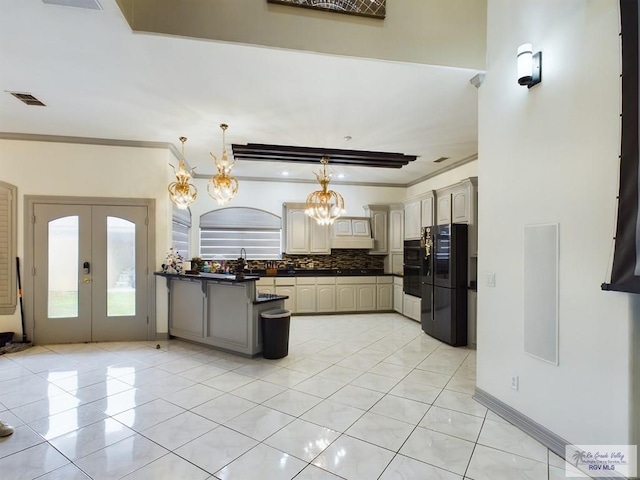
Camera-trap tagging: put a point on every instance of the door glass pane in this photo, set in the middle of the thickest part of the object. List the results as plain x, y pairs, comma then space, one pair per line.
63, 268
121, 267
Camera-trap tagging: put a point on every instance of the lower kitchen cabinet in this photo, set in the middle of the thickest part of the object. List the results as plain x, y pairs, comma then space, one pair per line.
411, 307
398, 298
306, 295
287, 286
346, 298
365, 298
398, 294
384, 293
326, 296
384, 297
266, 285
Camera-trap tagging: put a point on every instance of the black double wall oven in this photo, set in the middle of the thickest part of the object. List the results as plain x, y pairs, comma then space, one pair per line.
411, 282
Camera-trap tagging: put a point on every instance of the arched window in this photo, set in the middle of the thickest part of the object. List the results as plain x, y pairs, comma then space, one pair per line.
225, 231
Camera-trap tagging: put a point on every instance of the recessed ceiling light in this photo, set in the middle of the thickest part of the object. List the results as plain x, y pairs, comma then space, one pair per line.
347, 138
341, 175
285, 173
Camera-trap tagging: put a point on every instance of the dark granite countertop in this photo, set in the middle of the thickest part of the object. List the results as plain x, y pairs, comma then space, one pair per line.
269, 297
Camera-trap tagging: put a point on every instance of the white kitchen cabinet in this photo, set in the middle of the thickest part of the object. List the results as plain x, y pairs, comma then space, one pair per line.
287, 286
411, 307
352, 227
384, 297
319, 240
365, 298
398, 297
346, 298
342, 227
326, 297
394, 263
412, 220
443, 210
303, 235
305, 295
266, 285
460, 205
427, 207
297, 231
396, 228
379, 216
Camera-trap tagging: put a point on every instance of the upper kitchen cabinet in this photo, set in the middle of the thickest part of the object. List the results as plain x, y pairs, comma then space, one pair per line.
443, 201
427, 202
379, 217
302, 234
396, 228
352, 232
459, 204
412, 219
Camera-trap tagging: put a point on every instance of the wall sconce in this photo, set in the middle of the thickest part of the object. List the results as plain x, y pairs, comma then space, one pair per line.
529, 66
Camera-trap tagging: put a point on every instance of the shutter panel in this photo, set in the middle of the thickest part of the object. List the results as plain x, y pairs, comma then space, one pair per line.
8, 239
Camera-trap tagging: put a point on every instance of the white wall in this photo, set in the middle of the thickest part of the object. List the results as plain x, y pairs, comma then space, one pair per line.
549, 155
43, 168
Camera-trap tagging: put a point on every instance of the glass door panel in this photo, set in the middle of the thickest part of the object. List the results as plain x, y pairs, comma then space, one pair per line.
62, 299
121, 267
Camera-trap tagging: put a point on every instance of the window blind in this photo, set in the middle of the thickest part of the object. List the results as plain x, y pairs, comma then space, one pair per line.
225, 231
180, 227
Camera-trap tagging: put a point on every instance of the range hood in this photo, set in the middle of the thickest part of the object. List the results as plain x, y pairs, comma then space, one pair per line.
352, 232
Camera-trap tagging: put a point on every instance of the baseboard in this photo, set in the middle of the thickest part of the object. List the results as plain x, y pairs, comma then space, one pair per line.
553, 442
546, 437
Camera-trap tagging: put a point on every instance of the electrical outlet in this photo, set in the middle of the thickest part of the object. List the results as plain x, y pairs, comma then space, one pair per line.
490, 279
515, 382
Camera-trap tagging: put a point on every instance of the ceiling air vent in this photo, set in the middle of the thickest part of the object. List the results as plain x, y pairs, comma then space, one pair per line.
441, 159
28, 99
90, 4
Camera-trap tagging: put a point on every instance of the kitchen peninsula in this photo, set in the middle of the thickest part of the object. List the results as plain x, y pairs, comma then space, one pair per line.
218, 310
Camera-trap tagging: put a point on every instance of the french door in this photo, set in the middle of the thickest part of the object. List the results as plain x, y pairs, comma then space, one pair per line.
89, 273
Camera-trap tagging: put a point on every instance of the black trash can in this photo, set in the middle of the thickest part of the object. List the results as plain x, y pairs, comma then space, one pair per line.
275, 333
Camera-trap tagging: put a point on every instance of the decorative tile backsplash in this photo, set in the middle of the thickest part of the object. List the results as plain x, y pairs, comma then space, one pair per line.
339, 259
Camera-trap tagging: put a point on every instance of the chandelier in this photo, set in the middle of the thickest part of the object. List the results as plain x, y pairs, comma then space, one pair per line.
324, 205
181, 192
222, 186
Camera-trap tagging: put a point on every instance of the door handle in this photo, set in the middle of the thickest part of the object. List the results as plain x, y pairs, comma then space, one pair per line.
86, 280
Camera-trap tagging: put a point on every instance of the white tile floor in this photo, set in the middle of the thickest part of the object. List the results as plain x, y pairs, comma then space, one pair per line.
358, 397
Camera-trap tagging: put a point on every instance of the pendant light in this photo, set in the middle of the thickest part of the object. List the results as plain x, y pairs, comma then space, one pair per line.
324, 205
222, 187
181, 192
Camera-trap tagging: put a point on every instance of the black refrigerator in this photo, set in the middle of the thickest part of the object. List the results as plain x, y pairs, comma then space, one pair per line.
444, 283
